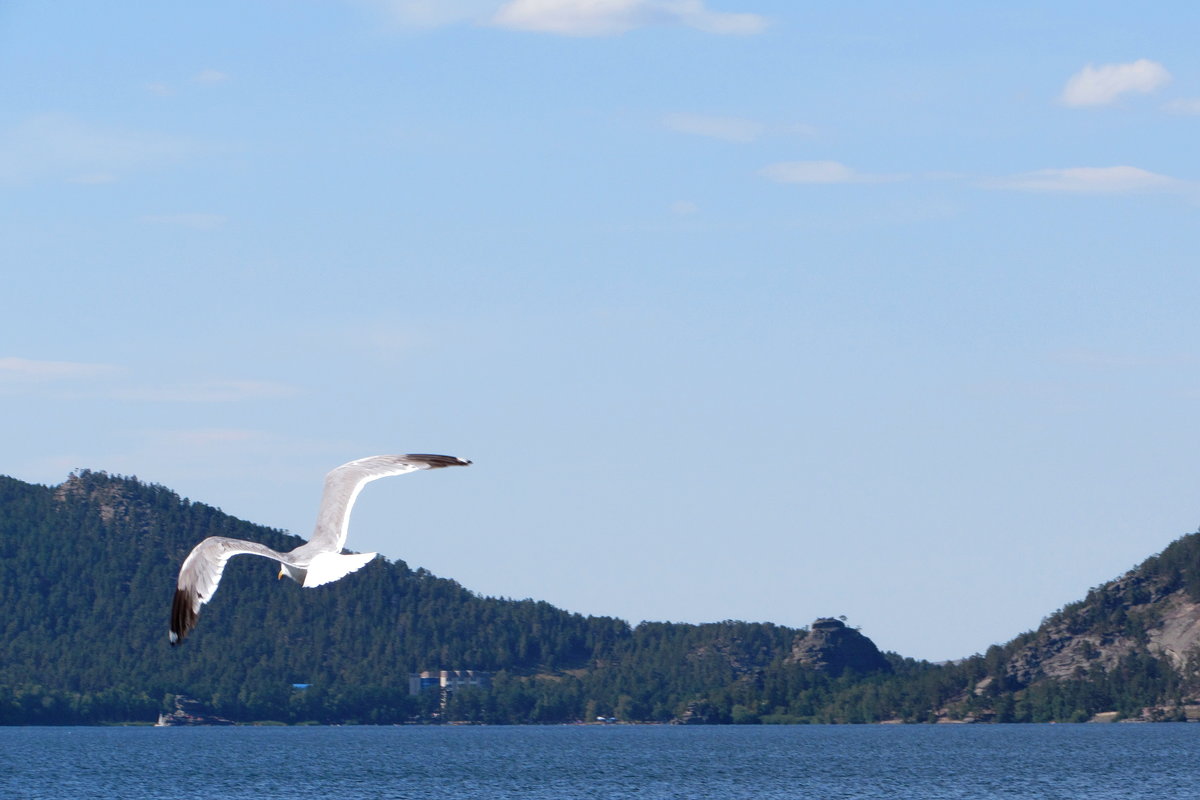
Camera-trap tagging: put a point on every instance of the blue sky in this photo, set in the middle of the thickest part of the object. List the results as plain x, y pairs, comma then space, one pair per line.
744, 310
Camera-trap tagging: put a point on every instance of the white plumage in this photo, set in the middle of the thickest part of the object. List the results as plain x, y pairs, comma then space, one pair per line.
316, 562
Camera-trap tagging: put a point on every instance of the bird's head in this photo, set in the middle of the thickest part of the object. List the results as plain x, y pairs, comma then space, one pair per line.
288, 571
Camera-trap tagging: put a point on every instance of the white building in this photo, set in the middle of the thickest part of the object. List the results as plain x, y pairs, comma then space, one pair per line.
447, 680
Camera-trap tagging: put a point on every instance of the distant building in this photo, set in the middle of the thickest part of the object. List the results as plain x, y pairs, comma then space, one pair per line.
447, 680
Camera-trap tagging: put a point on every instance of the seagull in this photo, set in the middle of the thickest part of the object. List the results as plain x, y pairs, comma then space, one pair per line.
316, 562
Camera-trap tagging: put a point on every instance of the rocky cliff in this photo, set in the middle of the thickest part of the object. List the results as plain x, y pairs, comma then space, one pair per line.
832, 648
1154, 610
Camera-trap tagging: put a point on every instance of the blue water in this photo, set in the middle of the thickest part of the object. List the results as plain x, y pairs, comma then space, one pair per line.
1099, 762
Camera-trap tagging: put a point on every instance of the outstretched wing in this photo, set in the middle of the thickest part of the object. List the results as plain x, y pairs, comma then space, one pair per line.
343, 484
200, 574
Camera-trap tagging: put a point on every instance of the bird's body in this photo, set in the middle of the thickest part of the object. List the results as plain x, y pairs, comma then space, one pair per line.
318, 561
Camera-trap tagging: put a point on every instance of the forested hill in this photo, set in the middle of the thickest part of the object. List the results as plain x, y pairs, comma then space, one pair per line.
87, 571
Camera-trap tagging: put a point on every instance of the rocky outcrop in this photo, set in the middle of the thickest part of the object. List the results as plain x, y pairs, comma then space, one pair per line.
831, 647
696, 713
95, 488
1177, 636
189, 712
1133, 614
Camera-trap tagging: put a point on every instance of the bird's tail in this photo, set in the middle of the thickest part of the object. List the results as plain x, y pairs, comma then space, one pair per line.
328, 567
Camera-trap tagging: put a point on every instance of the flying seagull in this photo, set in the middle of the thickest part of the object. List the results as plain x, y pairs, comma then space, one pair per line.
314, 563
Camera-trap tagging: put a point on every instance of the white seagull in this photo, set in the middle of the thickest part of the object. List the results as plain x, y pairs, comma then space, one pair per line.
318, 561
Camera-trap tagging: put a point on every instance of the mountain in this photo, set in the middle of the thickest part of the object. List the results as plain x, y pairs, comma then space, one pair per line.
1132, 645
87, 570
1154, 610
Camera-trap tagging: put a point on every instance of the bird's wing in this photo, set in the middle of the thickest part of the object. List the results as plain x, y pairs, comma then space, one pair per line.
343, 484
200, 574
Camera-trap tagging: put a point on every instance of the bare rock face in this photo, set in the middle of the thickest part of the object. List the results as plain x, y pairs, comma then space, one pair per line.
108, 496
832, 648
1177, 636
1139, 617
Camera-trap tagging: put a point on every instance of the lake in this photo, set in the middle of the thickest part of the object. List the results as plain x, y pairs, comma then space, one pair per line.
905, 762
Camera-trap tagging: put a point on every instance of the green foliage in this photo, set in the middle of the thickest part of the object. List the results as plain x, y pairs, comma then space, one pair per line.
87, 571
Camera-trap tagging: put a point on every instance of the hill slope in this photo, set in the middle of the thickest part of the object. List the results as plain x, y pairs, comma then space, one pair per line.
87, 570
1132, 645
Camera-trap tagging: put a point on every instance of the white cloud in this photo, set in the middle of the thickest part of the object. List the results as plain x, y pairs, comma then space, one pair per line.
821, 172
567, 17
1099, 86
60, 147
612, 17
15, 369
1184, 105
195, 221
730, 129
1088, 180
434, 13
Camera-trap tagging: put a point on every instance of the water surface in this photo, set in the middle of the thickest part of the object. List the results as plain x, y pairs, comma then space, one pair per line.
919, 762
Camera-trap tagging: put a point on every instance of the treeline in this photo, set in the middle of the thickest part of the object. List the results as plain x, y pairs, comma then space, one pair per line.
87, 570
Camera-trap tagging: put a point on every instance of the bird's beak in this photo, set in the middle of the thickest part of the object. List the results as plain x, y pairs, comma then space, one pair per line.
280, 575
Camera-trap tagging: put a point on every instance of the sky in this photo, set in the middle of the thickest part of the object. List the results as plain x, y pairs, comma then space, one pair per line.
743, 310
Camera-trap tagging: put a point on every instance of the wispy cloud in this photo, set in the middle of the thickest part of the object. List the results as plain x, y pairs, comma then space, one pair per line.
210, 77
1183, 105
195, 221
94, 178
1108, 360
384, 341
205, 77
208, 391
730, 129
58, 146
108, 380
203, 437
434, 13
1102, 85
613, 17
25, 370
569, 17
822, 172
1088, 180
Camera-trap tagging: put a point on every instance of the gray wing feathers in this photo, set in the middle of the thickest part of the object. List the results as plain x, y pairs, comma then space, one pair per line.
201, 570
200, 574
343, 484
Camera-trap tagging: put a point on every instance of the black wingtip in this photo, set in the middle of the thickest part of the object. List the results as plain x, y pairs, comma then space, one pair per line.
183, 617
437, 462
